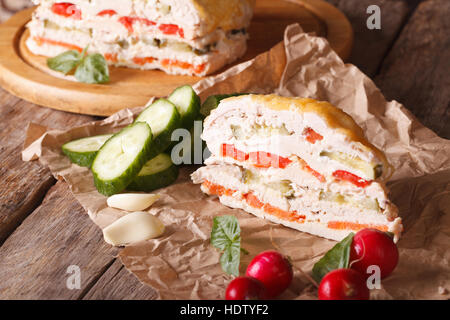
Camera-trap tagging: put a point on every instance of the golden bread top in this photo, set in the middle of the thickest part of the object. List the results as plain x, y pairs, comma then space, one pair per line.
334, 117
225, 14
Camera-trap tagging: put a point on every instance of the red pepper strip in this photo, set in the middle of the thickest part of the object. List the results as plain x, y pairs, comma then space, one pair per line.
259, 159
228, 150
350, 177
312, 136
171, 29
266, 160
107, 13
66, 9
128, 22
316, 174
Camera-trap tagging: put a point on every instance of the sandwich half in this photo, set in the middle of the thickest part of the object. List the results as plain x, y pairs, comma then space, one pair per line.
192, 37
299, 162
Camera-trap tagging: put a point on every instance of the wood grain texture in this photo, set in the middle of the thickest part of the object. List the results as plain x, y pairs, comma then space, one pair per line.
130, 87
371, 46
24, 184
35, 258
416, 71
117, 283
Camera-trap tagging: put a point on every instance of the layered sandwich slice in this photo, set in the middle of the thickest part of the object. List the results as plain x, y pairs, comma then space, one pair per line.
298, 162
192, 37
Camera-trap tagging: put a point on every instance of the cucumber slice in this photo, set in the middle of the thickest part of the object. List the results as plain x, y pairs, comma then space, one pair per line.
282, 186
156, 173
83, 151
372, 171
187, 103
163, 118
121, 158
212, 102
364, 203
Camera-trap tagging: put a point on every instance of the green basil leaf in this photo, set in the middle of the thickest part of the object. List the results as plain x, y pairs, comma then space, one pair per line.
225, 232
231, 259
83, 53
93, 69
226, 236
338, 257
65, 62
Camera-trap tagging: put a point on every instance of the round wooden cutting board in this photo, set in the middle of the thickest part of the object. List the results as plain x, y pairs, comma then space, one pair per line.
27, 76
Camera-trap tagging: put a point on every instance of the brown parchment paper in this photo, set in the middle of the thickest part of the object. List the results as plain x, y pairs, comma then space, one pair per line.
183, 265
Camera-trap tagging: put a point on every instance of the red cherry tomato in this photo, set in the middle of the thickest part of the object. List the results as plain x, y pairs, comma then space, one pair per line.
373, 247
273, 270
343, 284
245, 288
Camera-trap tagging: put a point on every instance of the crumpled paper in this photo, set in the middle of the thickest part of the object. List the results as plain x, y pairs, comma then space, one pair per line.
182, 264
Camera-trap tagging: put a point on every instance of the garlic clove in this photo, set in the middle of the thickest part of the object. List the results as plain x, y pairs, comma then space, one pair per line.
132, 228
132, 201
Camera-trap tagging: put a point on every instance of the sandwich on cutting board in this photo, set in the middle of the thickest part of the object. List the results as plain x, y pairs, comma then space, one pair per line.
190, 37
299, 162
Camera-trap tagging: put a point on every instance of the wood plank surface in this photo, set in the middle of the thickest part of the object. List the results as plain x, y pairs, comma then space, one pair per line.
371, 46
24, 184
416, 71
34, 260
117, 283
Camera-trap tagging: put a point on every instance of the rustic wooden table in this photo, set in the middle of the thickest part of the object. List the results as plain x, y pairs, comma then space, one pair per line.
43, 229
